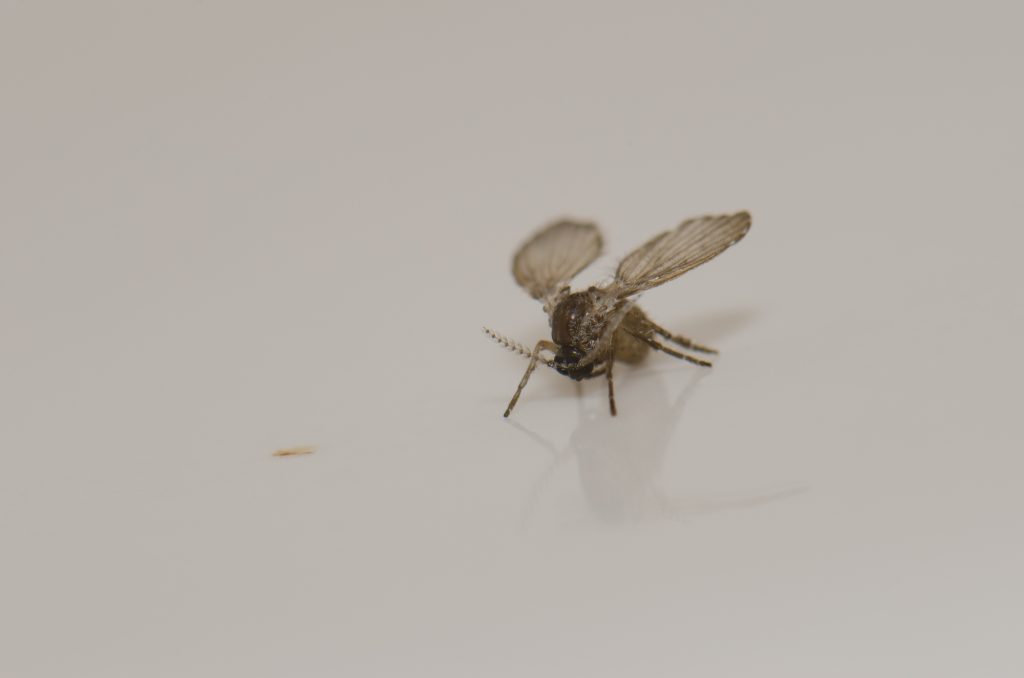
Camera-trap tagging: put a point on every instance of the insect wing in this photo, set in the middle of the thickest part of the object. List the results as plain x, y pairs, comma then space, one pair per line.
673, 253
554, 255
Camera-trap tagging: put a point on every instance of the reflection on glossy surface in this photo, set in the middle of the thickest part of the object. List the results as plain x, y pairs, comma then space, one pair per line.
620, 460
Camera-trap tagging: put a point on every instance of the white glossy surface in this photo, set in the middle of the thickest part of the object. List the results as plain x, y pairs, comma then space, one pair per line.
229, 229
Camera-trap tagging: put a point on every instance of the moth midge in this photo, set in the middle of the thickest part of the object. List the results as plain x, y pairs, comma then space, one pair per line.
591, 329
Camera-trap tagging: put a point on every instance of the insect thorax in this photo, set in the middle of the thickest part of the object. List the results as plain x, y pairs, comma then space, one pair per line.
577, 323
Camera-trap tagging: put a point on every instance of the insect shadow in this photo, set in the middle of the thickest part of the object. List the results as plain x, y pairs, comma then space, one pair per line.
620, 463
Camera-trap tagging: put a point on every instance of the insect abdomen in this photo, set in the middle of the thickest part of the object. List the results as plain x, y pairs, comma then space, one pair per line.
629, 349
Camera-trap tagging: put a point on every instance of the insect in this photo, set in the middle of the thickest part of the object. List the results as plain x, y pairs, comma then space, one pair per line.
593, 328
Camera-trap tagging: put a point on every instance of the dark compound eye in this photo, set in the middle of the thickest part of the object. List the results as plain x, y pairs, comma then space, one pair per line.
567, 358
568, 355
573, 369
583, 372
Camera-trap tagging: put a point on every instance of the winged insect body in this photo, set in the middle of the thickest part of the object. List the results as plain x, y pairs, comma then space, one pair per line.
591, 329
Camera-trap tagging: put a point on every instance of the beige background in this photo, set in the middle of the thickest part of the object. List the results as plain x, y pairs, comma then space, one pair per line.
231, 227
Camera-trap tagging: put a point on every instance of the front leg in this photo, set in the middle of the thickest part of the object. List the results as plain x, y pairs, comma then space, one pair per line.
534, 357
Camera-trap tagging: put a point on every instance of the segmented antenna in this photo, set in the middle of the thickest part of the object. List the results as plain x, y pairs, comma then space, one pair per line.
514, 346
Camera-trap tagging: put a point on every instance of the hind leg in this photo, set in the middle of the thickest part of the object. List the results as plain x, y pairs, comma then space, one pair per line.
677, 339
676, 354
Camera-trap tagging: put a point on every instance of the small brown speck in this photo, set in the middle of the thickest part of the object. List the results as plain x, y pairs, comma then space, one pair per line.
295, 451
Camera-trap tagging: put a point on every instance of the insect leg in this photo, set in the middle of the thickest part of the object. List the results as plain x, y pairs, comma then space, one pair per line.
534, 357
682, 341
611, 385
665, 349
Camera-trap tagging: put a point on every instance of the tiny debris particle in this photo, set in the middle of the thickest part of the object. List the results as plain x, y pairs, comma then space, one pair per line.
295, 451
